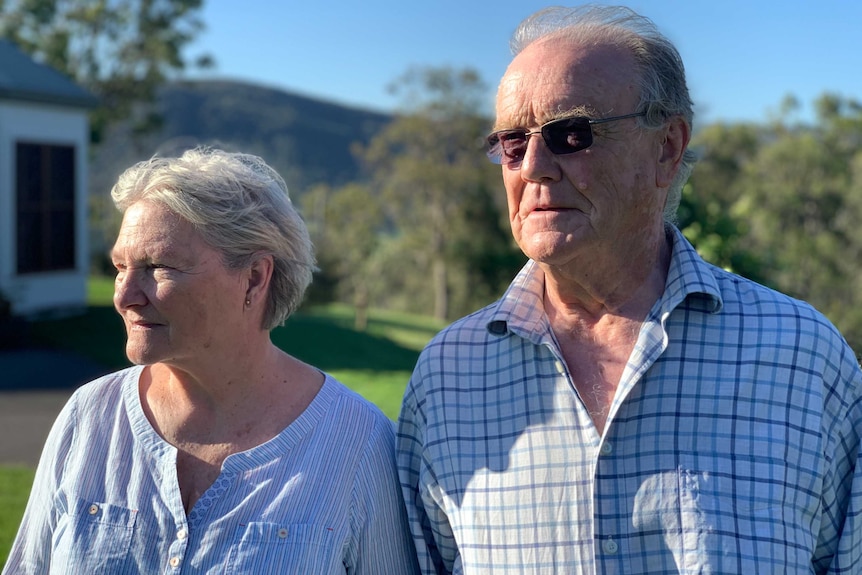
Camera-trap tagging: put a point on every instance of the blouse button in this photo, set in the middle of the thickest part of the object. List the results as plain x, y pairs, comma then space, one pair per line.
94, 509
175, 561
182, 534
282, 533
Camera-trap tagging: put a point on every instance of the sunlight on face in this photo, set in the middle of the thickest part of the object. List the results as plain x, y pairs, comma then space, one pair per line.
177, 299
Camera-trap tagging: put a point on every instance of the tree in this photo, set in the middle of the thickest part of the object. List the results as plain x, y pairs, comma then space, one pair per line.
780, 203
797, 209
797, 193
709, 211
438, 186
345, 224
120, 50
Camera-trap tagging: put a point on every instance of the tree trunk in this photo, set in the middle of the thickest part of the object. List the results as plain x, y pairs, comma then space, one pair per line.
441, 289
360, 307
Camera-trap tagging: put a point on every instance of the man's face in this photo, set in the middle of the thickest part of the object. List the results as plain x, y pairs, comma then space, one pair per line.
594, 201
178, 301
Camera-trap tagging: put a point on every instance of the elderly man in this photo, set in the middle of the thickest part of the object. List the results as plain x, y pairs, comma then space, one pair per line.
625, 407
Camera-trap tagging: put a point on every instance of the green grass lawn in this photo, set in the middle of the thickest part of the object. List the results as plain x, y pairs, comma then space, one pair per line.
375, 363
14, 488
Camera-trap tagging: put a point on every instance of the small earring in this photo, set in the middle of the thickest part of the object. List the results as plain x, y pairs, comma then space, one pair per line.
248, 302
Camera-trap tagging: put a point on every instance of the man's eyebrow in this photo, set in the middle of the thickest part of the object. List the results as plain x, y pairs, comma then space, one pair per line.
579, 110
558, 114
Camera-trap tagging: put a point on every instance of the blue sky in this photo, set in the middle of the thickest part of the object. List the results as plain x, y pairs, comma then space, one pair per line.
742, 56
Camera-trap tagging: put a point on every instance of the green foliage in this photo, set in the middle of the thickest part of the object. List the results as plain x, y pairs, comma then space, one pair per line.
121, 50
441, 195
346, 224
708, 214
781, 204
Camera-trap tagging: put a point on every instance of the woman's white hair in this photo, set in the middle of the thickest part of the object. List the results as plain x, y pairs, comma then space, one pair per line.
240, 206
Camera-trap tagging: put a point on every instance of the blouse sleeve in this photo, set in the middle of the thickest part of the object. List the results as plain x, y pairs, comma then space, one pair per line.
31, 550
383, 542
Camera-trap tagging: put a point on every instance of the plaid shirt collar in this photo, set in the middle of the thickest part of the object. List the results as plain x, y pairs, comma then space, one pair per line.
520, 310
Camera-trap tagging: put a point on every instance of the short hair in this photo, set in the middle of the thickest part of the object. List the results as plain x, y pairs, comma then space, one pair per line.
240, 206
663, 88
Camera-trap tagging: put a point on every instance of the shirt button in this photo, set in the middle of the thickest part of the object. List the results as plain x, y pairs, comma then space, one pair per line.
610, 546
561, 369
282, 533
607, 448
175, 561
94, 509
182, 534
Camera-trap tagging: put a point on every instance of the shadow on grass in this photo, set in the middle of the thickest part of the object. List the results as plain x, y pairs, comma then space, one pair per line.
331, 346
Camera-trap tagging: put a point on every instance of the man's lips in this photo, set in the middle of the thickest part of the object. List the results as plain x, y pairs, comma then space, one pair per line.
547, 210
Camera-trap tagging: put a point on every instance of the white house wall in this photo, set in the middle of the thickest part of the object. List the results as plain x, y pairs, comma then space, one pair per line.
45, 124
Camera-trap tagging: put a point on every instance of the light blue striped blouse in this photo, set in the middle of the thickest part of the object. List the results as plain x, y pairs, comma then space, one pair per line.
321, 497
732, 445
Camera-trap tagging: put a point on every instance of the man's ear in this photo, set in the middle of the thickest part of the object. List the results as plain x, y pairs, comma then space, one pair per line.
673, 145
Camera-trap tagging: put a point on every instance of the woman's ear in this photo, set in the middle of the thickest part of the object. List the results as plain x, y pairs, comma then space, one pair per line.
259, 274
673, 145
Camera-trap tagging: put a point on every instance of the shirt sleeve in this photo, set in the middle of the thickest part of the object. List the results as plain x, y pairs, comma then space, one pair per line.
31, 550
429, 524
383, 543
839, 543
843, 519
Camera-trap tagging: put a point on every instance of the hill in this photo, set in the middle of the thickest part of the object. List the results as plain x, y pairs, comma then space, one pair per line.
307, 140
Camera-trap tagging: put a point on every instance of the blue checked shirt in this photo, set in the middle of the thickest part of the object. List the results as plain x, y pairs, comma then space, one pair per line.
732, 444
320, 498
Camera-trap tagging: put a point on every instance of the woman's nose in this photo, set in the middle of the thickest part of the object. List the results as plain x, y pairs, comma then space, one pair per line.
128, 291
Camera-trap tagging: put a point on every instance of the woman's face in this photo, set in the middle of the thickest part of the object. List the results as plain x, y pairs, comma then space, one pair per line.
179, 303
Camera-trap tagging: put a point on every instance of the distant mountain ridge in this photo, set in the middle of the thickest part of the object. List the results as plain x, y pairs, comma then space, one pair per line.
307, 140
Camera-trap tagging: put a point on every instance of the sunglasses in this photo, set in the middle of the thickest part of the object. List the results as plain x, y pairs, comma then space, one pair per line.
563, 136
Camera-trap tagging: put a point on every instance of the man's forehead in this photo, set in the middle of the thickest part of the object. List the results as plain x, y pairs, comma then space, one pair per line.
555, 78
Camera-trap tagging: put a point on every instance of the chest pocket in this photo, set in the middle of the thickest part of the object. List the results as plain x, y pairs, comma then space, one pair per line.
93, 537
730, 513
270, 548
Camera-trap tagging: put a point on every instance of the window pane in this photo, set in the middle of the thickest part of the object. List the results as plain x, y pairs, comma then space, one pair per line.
61, 250
61, 174
45, 177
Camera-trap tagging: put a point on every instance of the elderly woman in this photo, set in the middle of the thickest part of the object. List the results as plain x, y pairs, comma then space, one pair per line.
217, 451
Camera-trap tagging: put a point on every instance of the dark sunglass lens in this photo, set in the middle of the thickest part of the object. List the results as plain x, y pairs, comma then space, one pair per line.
568, 135
494, 150
512, 145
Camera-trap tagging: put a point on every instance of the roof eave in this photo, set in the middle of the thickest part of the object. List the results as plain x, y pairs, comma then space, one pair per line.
85, 101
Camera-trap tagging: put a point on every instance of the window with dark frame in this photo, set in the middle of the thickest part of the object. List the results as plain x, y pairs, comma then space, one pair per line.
45, 176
